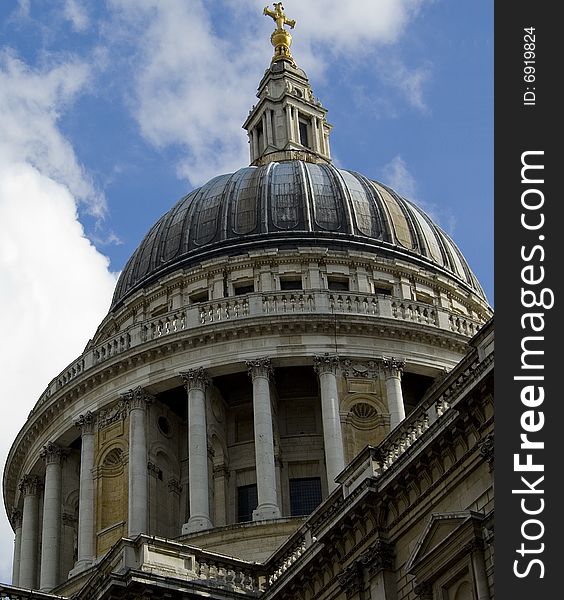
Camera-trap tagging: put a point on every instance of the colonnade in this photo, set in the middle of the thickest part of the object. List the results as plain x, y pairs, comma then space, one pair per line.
26, 521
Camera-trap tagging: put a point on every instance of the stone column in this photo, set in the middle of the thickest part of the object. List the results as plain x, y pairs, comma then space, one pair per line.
196, 381
289, 124
269, 133
393, 369
30, 487
16, 521
53, 456
259, 371
86, 424
315, 134
138, 509
326, 367
255, 144
476, 550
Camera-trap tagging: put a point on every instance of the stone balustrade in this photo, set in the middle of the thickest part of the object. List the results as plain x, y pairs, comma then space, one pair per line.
288, 559
320, 302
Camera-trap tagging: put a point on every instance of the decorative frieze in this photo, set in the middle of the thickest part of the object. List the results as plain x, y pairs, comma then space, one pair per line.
359, 369
30, 485
259, 367
326, 363
109, 416
195, 379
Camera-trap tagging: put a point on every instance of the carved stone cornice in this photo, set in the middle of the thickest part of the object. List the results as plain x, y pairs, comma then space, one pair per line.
86, 423
424, 591
259, 367
326, 363
351, 579
16, 518
195, 379
379, 557
392, 367
30, 485
487, 449
137, 398
53, 454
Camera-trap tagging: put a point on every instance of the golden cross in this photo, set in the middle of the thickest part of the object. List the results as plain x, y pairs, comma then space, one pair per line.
279, 17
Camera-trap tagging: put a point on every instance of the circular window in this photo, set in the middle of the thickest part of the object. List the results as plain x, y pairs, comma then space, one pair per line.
164, 426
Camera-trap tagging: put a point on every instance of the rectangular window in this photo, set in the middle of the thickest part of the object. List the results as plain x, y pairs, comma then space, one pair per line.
244, 288
247, 501
305, 496
382, 290
304, 139
290, 283
338, 284
199, 297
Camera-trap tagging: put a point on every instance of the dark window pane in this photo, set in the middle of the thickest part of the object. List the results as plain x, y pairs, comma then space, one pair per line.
247, 501
303, 134
338, 285
290, 284
247, 288
305, 495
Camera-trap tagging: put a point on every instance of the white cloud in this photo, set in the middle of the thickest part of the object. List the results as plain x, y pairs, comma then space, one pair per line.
409, 82
193, 88
55, 286
76, 13
397, 176
30, 103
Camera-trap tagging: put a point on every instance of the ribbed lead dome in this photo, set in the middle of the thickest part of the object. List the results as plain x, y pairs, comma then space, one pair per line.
291, 203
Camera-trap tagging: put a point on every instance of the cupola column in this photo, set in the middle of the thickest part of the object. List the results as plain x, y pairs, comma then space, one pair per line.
137, 401
326, 367
16, 521
53, 456
267, 492
393, 369
85, 551
196, 382
30, 487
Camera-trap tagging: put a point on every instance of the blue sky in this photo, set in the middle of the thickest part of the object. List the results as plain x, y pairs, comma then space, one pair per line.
112, 110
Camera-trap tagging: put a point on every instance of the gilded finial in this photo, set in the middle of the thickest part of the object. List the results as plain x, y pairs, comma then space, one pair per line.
281, 38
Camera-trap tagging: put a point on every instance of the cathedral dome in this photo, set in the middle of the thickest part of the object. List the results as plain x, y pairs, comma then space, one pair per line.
291, 204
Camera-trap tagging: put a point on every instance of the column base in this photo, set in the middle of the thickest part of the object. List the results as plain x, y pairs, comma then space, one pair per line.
197, 524
266, 512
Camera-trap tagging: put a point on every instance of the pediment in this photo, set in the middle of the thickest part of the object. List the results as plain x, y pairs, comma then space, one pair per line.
444, 538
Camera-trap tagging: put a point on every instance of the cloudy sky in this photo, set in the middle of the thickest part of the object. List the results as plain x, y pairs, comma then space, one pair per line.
110, 110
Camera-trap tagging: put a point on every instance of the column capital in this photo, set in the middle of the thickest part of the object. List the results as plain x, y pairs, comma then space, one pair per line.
86, 423
393, 367
326, 363
259, 367
136, 398
53, 454
30, 485
16, 518
195, 379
